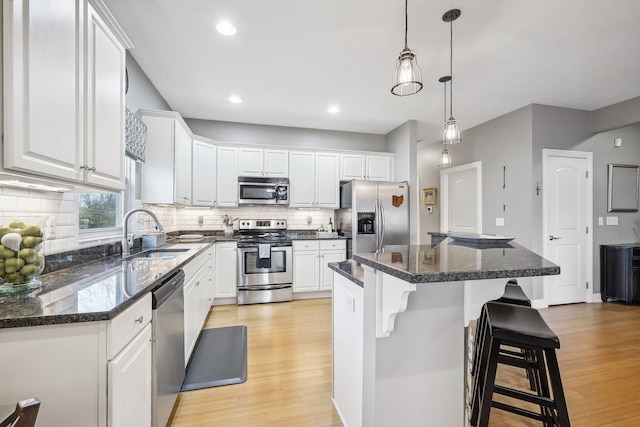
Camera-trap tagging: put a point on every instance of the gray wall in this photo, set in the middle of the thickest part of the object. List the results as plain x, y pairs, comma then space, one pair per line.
286, 136
402, 142
142, 93
616, 116
516, 140
628, 222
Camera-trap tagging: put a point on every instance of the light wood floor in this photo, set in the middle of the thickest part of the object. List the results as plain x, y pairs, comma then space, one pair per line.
289, 361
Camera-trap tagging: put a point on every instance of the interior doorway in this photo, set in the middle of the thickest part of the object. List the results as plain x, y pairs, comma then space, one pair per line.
461, 188
567, 218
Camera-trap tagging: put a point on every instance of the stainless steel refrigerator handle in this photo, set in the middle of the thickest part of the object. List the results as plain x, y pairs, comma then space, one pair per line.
381, 223
377, 223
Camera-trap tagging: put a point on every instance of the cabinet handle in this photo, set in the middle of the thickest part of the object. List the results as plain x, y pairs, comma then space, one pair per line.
139, 320
198, 283
554, 238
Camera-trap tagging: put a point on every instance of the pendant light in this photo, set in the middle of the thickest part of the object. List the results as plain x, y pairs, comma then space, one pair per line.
407, 79
451, 132
445, 159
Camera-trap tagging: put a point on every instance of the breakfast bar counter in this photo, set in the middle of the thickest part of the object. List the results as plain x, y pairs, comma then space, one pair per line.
399, 334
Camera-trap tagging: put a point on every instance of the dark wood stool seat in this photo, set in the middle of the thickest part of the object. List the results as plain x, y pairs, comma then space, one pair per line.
523, 328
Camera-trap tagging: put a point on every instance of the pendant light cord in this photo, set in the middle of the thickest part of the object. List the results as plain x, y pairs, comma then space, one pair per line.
451, 70
445, 101
406, 22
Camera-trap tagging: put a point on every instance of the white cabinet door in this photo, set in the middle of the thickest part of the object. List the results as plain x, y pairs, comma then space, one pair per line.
379, 168
276, 163
43, 87
225, 272
327, 181
305, 271
105, 105
190, 318
129, 383
302, 179
182, 166
250, 161
326, 274
352, 166
227, 177
204, 174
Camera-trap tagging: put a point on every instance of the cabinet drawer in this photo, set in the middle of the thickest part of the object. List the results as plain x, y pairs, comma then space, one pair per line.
306, 245
122, 328
192, 267
636, 252
333, 245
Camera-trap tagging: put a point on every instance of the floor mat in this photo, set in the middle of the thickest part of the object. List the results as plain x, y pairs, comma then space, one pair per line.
220, 358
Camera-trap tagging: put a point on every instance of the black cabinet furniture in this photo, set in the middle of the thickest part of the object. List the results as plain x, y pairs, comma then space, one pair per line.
620, 272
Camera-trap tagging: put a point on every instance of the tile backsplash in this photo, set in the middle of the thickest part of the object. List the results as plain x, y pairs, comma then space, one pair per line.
61, 210
175, 219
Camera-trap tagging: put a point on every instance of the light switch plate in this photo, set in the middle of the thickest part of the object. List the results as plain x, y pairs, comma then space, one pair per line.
499, 222
600, 220
612, 220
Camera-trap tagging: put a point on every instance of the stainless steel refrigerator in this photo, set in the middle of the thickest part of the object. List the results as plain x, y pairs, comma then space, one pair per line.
373, 214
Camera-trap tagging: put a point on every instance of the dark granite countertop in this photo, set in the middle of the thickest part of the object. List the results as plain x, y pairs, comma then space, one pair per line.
349, 269
95, 290
450, 261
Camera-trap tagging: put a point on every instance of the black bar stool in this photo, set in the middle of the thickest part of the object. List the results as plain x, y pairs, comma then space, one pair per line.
523, 328
513, 294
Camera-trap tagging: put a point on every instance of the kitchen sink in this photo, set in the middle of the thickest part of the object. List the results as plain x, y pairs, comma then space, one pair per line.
161, 253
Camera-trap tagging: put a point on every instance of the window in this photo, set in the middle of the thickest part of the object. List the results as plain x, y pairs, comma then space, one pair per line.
98, 210
100, 214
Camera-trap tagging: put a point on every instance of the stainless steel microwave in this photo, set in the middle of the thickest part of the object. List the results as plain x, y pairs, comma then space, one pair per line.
263, 191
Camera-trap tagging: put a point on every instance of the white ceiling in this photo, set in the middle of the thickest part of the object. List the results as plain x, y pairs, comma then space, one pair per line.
290, 60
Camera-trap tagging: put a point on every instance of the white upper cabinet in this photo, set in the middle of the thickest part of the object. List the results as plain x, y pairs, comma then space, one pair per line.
227, 176
366, 167
263, 162
53, 127
314, 179
204, 173
379, 168
166, 173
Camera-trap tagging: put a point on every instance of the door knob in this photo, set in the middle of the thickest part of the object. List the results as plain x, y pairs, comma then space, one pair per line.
554, 238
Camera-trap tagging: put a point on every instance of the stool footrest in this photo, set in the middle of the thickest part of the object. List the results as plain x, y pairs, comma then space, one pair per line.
517, 411
527, 397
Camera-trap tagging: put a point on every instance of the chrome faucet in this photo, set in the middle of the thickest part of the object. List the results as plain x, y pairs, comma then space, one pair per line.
125, 228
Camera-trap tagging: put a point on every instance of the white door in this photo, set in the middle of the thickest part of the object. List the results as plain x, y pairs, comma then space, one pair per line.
105, 103
227, 194
204, 174
327, 179
461, 188
567, 223
129, 389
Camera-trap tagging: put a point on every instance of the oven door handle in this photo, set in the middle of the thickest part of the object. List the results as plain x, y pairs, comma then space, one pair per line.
273, 249
263, 287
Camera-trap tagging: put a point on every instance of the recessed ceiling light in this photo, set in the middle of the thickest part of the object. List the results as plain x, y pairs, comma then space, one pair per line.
235, 99
226, 28
333, 109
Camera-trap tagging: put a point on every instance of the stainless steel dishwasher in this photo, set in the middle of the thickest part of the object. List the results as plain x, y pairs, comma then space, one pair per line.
168, 346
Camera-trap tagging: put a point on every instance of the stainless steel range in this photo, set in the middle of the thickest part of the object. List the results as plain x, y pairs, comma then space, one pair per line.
265, 261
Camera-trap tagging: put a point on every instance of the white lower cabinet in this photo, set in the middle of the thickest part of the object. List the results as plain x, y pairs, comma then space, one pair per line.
197, 300
310, 259
129, 384
348, 350
225, 283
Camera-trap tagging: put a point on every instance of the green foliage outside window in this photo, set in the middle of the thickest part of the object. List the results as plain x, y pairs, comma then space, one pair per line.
97, 210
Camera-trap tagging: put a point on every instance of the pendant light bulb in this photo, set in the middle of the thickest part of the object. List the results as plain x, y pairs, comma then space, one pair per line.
407, 78
445, 160
451, 132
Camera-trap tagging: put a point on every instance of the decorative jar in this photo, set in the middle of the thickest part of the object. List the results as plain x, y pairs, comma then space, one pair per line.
21, 253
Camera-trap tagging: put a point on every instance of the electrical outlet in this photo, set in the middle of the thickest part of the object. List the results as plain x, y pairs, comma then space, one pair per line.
612, 220
499, 222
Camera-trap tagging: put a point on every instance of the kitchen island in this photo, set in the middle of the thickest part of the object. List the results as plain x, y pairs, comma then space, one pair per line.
400, 327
